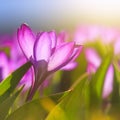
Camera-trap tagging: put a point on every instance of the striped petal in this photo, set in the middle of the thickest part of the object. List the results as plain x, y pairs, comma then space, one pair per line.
61, 55
42, 47
26, 40
62, 36
76, 52
53, 38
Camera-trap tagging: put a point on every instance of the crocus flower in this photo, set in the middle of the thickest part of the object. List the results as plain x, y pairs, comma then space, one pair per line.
46, 53
86, 33
94, 62
13, 60
92, 33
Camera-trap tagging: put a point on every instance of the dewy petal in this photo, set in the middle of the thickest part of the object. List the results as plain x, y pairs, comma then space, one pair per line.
53, 38
26, 40
42, 47
60, 56
108, 84
92, 57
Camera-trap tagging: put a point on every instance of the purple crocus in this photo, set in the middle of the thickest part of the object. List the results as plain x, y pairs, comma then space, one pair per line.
13, 60
92, 33
94, 61
47, 53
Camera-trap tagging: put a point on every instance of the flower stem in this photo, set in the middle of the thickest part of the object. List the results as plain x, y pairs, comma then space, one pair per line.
31, 92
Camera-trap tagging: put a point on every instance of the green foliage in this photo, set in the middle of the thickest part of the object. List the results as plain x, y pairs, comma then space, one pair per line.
84, 93
7, 88
82, 101
72, 107
33, 110
115, 97
8, 85
101, 48
97, 81
5, 106
37, 109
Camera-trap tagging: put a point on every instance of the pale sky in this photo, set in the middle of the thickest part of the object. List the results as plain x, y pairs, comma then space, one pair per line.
58, 13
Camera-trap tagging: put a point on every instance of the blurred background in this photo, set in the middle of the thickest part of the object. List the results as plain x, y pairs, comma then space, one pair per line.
57, 14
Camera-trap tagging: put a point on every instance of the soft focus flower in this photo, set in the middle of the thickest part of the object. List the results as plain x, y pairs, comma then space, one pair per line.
92, 33
17, 59
86, 33
13, 60
110, 39
47, 53
4, 66
117, 46
94, 62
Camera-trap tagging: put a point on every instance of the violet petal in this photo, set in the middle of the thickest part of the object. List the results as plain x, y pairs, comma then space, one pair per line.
92, 57
53, 38
26, 40
69, 66
60, 56
76, 52
42, 47
108, 84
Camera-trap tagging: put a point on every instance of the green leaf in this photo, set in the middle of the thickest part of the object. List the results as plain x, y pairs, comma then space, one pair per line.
116, 85
115, 97
33, 110
99, 46
73, 106
97, 81
5, 106
37, 109
114, 111
8, 85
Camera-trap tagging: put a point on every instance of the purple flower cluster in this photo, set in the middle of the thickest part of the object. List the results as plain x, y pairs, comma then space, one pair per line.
11, 59
108, 37
49, 52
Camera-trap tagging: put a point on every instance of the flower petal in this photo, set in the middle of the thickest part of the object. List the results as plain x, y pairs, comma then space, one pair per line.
117, 47
60, 56
62, 36
92, 57
108, 84
76, 52
26, 40
4, 66
27, 80
42, 47
69, 66
91, 68
53, 38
